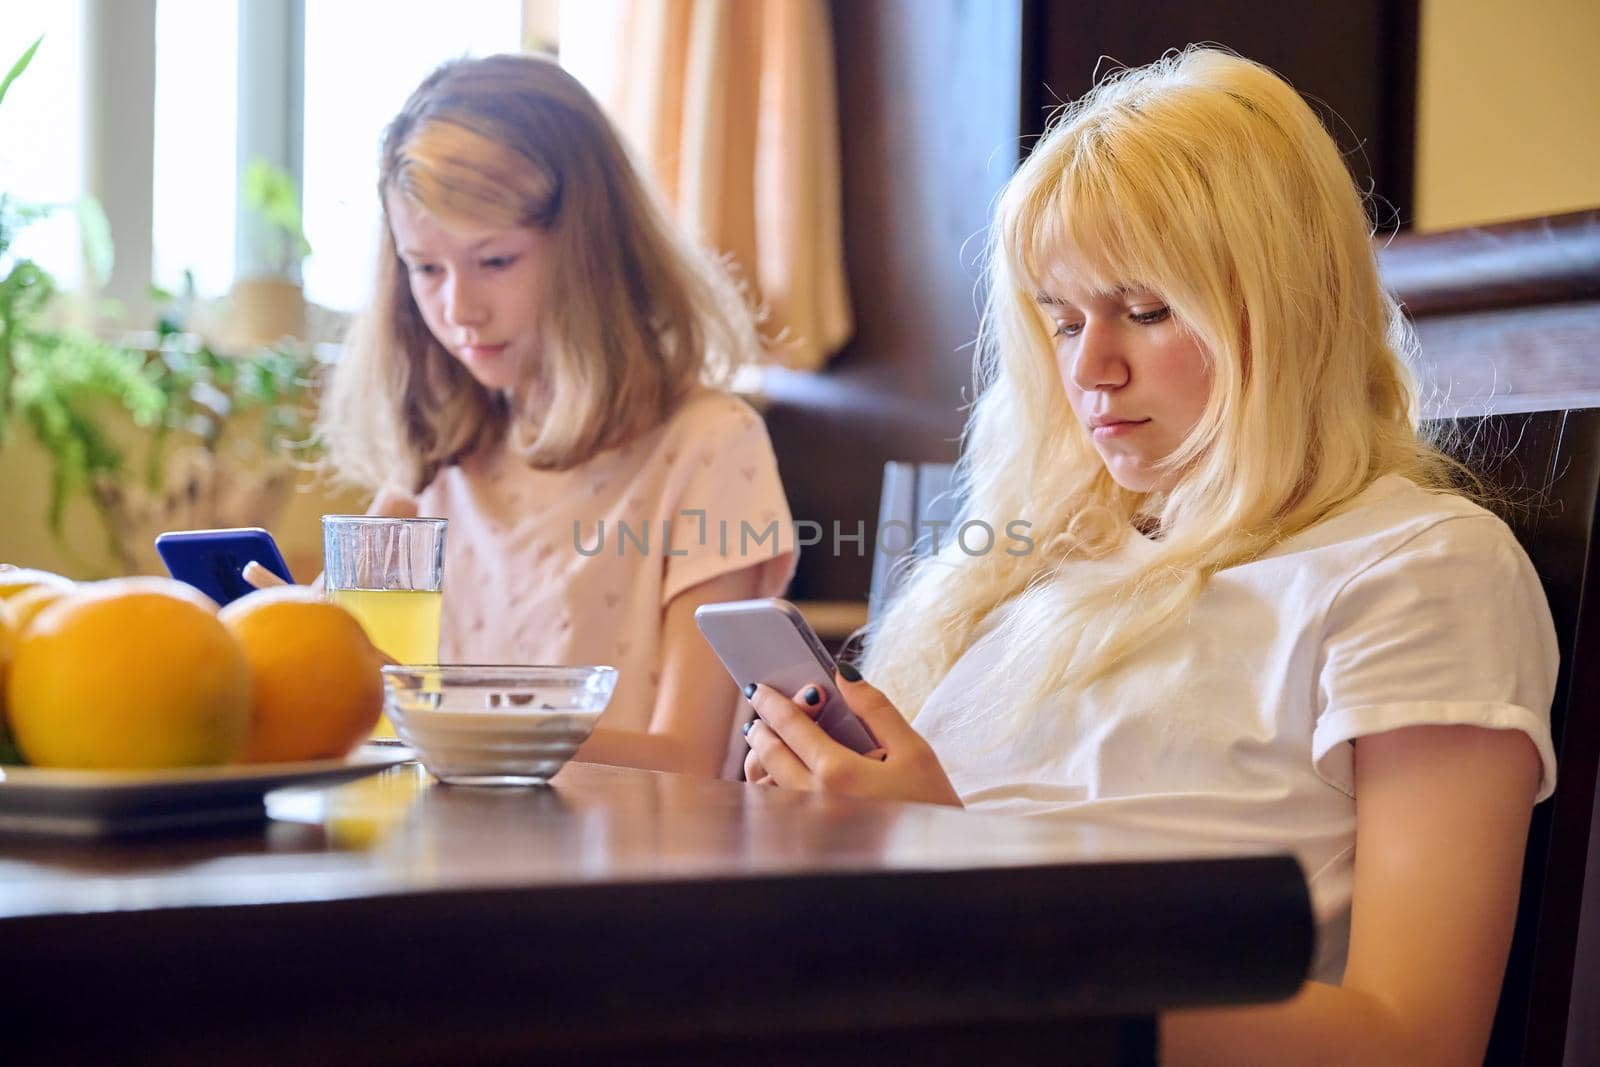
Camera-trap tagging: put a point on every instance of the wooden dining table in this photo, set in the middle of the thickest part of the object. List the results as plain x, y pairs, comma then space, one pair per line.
624, 916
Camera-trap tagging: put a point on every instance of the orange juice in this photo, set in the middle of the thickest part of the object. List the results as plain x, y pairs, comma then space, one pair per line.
403, 623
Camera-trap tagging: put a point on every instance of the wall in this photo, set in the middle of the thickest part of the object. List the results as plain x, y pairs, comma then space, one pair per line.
929, 100
1355, 62
26, 540
1508, 110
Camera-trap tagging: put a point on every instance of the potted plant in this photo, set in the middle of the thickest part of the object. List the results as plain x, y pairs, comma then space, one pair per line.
51, 377
232, 431
269, 304
88, 402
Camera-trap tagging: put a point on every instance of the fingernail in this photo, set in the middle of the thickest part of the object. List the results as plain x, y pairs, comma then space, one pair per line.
747, 727
749, 691
812, 695
848, 672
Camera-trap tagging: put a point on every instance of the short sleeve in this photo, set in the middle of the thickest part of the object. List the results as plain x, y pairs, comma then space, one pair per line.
1450, 628
726, 502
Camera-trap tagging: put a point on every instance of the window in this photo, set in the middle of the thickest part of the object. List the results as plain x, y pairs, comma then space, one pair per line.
196, 173
359, 59
362, 58
41, 130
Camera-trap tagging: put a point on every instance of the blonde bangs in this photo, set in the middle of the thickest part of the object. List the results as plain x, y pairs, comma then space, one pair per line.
456, 174
1083, 198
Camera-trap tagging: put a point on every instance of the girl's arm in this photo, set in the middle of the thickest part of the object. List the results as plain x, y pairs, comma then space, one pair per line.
1441, 822
693, 717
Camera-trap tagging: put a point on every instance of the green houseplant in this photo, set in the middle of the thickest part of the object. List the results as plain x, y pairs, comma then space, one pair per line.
270, 192
269, 301
89, 402
233, 428
50, 377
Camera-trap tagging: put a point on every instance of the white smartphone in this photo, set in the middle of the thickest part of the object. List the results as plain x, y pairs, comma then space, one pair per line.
769, 641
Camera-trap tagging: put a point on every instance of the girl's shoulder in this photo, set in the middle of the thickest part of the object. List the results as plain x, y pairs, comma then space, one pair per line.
1398, 535
1394, 510
708, 407
709, 417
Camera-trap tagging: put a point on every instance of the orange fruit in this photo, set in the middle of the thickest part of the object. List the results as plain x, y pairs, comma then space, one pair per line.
14, 580
8, 639
316, 690
26, 605
129, 673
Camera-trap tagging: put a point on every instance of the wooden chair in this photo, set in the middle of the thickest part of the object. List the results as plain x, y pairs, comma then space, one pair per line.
914, 496
1546, 465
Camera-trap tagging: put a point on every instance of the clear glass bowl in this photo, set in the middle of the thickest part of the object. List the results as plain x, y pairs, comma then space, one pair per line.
495, 725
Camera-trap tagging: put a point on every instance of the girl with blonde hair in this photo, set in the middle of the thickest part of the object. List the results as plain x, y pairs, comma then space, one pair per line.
538, 365
1252, 595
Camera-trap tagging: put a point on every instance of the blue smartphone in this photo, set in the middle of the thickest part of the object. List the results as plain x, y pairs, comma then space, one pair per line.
213, 561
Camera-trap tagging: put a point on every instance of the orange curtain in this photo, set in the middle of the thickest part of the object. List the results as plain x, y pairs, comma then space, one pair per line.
731, 105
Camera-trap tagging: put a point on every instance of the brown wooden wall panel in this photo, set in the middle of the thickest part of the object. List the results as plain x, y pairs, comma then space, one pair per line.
1508, 316
1355, 60
1539, 261
928, 98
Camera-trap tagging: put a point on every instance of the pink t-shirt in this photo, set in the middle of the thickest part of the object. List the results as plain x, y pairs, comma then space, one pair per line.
578, 566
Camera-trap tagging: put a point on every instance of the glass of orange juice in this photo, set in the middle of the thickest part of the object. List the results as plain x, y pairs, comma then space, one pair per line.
389, 574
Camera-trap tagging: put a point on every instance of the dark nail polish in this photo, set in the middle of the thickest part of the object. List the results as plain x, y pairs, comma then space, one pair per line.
750, 691
812, 695
848, 672
747, 727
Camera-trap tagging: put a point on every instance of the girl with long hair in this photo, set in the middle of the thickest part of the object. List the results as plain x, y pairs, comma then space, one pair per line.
1256, 609
539, 364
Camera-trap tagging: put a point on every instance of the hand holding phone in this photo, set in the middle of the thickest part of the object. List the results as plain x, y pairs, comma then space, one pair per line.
213, 561
769, 642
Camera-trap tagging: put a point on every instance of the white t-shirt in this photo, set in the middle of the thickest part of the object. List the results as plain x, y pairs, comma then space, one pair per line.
1407, 608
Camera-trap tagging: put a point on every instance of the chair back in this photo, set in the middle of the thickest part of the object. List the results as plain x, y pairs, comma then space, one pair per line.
1547, 466
916, 498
